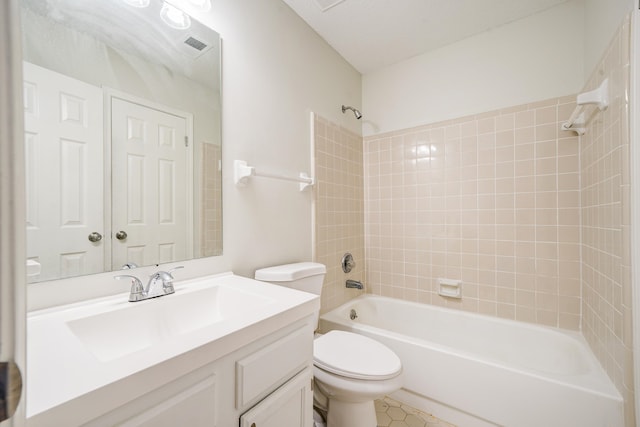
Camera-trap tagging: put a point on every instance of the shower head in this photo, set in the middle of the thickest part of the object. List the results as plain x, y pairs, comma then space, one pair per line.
356, 113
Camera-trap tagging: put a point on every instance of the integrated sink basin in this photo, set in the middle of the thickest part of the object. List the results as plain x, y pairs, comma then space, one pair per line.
132, 327
86, 354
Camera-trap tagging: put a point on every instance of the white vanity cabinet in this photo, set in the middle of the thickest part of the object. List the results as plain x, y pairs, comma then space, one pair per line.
286, 362
222, 348
290, 405
265, 383
187, 401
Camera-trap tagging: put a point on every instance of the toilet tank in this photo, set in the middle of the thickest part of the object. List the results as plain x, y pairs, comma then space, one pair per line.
303, 276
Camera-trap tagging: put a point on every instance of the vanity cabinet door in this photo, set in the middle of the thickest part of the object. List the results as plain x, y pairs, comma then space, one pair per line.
193, 407
189, 401
291, 405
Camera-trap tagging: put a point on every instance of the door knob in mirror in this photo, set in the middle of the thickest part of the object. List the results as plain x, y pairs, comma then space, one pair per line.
94, 237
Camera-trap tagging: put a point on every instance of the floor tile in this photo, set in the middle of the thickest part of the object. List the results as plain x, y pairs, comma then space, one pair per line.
383, 419
391, 413
396, 413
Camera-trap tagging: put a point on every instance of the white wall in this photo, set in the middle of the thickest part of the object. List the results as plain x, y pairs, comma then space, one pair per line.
276, 70
601, 20
528, 60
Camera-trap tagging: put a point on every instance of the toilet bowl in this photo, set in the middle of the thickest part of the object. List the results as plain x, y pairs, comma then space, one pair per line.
350, 370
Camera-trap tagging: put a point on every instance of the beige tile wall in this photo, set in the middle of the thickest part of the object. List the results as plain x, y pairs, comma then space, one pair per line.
534, 222
211, 223
339, 208
492, 200
606, 273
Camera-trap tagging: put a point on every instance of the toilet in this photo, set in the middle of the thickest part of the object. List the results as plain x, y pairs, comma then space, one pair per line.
350, 370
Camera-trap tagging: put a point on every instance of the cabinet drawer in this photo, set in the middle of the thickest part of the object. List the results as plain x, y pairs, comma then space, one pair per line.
263, 371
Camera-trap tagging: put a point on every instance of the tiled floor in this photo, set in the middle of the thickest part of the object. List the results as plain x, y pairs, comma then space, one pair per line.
391, 413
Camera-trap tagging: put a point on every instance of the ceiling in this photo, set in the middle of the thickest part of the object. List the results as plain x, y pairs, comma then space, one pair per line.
372, 34
137, 31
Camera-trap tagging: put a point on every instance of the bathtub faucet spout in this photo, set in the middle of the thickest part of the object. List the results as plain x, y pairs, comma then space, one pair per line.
354, 284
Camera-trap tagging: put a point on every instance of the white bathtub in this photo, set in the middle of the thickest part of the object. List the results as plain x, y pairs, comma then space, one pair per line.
477, 370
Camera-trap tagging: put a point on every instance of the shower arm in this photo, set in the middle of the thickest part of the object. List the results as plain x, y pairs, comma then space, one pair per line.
356, 112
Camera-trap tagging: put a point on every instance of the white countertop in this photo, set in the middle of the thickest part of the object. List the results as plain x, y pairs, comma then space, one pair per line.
61, 367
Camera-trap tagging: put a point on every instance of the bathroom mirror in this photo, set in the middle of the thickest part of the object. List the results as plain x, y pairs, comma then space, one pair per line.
122, 136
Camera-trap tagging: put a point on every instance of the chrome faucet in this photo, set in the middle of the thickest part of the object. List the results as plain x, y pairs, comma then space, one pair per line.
160, 284
354, 284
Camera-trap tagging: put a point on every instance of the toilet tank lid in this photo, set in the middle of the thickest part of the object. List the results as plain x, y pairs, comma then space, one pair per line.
290, 272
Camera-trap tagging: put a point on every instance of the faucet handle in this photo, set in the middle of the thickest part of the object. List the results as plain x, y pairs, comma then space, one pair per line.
137, 290
134, 280
167, 279
165, 274
174, 269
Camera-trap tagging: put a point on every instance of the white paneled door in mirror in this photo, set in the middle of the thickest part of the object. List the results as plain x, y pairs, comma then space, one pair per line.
128, 53
151, 189
64, 174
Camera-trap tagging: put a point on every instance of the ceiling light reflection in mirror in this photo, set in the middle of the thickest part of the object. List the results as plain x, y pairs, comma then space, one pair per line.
174, 17
137, 3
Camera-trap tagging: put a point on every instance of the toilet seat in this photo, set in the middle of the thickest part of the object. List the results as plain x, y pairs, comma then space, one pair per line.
355, 356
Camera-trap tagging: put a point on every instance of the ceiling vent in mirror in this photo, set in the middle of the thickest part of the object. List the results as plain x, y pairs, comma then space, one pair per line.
197, 46
325, 5
195, 43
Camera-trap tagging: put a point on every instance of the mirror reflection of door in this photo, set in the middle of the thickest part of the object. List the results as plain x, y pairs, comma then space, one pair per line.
131, 54
151, 189
64, 172
71, 228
